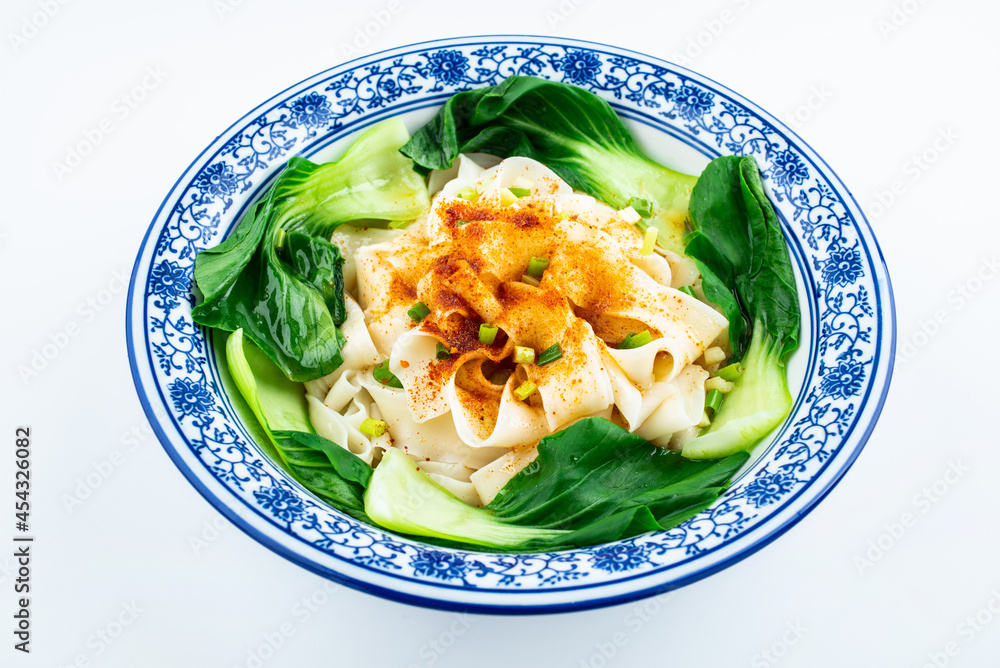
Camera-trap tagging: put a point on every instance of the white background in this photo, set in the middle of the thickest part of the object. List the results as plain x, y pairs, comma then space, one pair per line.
849, 586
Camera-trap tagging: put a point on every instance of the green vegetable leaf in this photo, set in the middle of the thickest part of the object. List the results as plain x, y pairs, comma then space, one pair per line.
318, 263
323, 467
739, 249
758, 403
570, 130
278, 277
592, 482
402, 498
326, 469
382, 374
746, 270
599, 480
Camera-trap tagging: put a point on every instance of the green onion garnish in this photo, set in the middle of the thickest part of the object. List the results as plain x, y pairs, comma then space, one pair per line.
713, 401
487, 334
524, 355
525, 390
507, 197
467, 193
462, 223
649, 241
643, 207
418, 311
550, 354
520, 192
443, 352
536, 266
386, 377
635, 340
688, 290
731, 372
373, 427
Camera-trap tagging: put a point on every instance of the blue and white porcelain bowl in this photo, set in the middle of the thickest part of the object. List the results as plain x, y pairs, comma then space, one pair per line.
839, 376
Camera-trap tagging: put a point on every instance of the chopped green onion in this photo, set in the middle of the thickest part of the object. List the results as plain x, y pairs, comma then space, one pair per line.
550, 354
629, 215
688, 290
487, 334
520, 192
443, 352
530, 280
642, 338
731, 372
507, 197
467, 193
525, 390
462, 223
716, 383
714, 355
643, 207
418, 311
713, 401
386, 377
634, 340
536, 266
649, 241
524, 355
373, 427
501, 376
279, 243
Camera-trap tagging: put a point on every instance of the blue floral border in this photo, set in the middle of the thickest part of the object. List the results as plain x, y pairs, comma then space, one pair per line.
841, 281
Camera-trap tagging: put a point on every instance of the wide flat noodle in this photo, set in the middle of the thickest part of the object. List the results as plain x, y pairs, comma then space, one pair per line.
453, 477
433, 440
491, 478
665, 406
349, 239
339, 416
358, 351
595, 274
466, 260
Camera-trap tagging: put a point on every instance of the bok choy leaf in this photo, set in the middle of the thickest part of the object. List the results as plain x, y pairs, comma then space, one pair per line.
746, 269
323, 467
570, 130
278, 277
591, 483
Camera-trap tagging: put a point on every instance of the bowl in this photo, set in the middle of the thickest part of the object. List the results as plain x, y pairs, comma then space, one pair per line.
839, 376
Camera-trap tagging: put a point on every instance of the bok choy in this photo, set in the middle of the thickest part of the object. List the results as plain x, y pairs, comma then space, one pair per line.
746, 270
278, 277
570, 130
323, 467
592, 482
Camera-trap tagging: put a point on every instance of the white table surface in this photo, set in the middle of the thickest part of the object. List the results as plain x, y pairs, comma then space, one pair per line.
139, 574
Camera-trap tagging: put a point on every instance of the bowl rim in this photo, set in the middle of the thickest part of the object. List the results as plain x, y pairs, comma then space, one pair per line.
886, 318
